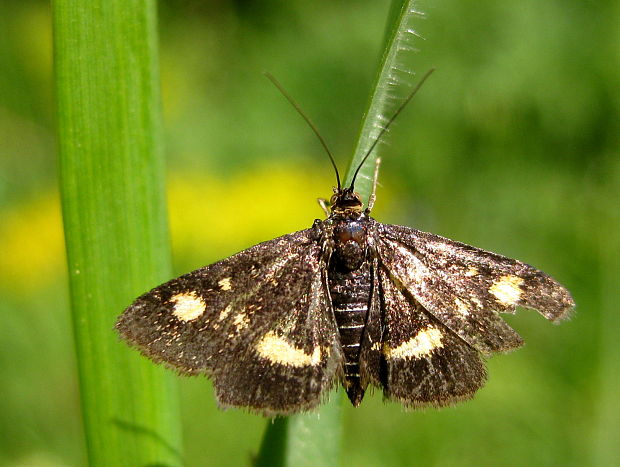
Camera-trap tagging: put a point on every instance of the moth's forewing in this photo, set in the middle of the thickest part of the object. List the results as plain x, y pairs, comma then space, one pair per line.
426, 364
500, 283
258, 322
476, 324
291, 366
464, 287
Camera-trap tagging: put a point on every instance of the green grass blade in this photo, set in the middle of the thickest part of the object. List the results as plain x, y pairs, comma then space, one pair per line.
304, 440
307, 439
604, 441
111, 167
393, 71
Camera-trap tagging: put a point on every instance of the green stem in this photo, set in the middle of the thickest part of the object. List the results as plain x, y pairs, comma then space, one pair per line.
393, 71
309, 439
111, 167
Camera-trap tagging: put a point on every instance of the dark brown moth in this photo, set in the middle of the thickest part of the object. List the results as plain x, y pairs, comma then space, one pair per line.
348, 301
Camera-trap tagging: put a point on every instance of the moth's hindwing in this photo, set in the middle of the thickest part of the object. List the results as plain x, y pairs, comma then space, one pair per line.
424, 362
259, 323
464, 287
370, 351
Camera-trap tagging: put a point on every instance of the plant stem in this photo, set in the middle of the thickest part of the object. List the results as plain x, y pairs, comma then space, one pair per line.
393, 71
111, 180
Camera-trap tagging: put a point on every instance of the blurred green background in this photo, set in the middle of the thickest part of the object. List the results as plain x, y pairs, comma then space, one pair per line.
512, 145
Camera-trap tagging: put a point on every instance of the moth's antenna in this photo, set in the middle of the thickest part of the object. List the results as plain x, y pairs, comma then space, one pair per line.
307, 119
384, 129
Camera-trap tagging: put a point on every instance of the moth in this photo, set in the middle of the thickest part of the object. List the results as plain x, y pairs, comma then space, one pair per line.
348, 301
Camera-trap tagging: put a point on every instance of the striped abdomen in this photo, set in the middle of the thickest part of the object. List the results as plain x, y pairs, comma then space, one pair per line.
350, 294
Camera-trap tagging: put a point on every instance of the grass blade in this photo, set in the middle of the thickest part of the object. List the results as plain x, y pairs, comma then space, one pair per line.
304, 440
393, 72
111, 167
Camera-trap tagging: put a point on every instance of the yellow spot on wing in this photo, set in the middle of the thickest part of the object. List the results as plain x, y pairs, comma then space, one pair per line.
188, 306
507, 289
472, 271
241, 321
224, 313
461, 307
225, 284
277, 350
422, 344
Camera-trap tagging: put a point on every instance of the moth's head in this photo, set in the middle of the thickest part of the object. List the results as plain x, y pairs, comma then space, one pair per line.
345, 200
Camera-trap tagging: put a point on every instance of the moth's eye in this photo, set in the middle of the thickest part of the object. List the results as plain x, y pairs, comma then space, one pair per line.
333, 199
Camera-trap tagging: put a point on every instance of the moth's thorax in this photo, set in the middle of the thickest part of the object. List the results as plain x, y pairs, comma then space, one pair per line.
350, 242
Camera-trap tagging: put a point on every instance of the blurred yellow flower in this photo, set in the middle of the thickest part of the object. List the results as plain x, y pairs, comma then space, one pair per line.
211, 218
32, 243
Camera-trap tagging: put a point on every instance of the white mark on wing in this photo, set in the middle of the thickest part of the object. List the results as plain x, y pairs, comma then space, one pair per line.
241, 321
224, 313
423, 343
472, 271
461, 307
507, 289
188, 306
277, 350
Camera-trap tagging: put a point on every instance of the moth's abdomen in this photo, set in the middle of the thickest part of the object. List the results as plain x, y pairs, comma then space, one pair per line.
350, 294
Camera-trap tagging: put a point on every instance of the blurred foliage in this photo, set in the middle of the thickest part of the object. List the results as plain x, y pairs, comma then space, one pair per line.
513, 145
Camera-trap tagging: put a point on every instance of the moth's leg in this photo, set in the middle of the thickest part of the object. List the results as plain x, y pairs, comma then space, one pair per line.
375, 177
323, 203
